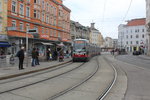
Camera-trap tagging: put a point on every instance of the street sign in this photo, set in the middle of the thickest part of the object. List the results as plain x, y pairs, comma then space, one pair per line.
32, 31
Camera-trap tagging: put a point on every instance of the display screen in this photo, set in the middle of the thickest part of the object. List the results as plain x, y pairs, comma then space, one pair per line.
79, 42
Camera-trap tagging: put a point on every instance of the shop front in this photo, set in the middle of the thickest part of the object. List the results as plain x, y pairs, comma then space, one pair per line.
43, 48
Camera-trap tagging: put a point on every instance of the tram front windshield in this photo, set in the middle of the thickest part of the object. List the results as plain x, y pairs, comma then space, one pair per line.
79, 46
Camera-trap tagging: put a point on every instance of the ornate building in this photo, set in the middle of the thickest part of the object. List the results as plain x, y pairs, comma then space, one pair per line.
79, 31
50, 18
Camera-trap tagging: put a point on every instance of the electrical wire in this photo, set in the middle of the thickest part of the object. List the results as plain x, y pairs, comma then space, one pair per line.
127, 12
103, 15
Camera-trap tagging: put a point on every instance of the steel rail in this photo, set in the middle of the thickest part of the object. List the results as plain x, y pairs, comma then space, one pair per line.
30, 72
37, 73
76, 85
107, 90
9, 90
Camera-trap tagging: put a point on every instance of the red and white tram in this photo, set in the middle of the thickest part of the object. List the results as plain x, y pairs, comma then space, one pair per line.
83, 50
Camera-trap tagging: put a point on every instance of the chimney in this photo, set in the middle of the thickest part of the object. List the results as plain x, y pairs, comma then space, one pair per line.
92, 25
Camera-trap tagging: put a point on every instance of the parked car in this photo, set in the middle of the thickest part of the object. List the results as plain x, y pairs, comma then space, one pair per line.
136, 52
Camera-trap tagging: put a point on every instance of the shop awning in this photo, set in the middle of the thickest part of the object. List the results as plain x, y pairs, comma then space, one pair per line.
44, 43
4, 44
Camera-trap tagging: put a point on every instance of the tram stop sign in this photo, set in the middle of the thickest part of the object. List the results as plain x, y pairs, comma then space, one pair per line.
32, 31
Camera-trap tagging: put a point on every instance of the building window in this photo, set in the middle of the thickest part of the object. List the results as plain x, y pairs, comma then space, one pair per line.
28, 11
137, 36
43, 4
35, 27
47, 19
54, 21
43, 17
131, 42
58, 34
21, 9
127, 36
21, 26
35, 1
47, 7
13, 23
142, 35
131, 36
27, 26
38, 14
35, 13
127, 42
137, 42
14, 5
142, 30
43, 30
47, 31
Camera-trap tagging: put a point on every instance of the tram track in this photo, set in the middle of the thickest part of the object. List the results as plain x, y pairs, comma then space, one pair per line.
39, 81
76, 85
107, 90
69, 87
102, 94
34, 74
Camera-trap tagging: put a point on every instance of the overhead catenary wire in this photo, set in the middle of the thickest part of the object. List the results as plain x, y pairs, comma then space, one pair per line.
126, 12
103, 16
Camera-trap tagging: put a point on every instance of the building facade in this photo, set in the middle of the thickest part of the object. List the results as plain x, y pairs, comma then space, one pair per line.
132, 36
109, 42
3, 24
148, 23
95, 36
50, 18
79, 31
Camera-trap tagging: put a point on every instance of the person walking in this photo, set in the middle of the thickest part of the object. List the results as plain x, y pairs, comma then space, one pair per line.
20, 55
48, 54
37, 57
33, 57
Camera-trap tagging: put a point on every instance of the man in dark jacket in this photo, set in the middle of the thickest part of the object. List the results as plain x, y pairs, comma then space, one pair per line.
34, 55
20, 55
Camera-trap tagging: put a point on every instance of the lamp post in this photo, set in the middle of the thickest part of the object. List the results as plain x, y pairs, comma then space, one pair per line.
27, 48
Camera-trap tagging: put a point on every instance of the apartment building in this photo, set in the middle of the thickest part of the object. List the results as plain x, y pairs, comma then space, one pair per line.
109, 42
148, 23
132, 36
95, 36
79, 31
4, 44
50, 18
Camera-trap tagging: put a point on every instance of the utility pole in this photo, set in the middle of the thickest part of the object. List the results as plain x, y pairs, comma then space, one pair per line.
27, 48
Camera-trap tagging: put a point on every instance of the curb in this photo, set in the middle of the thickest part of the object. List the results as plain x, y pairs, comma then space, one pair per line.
30, 72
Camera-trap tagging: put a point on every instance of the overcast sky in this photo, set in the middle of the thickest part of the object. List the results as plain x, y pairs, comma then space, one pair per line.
106, 14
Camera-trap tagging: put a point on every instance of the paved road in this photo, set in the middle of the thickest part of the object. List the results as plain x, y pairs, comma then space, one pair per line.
135, 60
138, 74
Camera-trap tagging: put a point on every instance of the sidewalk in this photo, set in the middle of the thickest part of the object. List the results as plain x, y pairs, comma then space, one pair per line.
13, 71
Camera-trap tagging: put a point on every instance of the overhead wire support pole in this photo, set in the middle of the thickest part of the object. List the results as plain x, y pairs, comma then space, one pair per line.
27, 48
